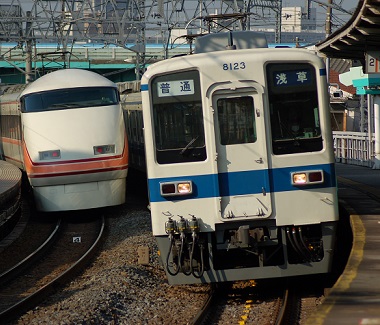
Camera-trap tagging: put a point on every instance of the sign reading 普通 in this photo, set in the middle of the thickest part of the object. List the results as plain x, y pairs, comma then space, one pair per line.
175, 88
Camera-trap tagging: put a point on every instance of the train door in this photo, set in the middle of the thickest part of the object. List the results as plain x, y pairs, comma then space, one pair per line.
242, 159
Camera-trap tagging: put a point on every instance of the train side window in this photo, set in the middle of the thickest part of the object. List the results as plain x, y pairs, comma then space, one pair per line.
294, 108
178, 118
10, 126
236, 120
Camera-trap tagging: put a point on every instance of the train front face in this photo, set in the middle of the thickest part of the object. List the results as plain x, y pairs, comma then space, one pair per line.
240, 165
74, 144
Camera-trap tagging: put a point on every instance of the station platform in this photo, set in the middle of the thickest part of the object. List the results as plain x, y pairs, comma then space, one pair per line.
355, 297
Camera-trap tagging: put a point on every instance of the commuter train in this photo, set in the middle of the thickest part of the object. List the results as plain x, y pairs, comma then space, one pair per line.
240, 161
66, 131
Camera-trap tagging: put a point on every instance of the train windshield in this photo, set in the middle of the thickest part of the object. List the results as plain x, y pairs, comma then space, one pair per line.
294, 109
178, 118
69, 98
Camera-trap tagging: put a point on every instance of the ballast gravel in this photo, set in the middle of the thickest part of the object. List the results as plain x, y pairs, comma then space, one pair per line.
115, 288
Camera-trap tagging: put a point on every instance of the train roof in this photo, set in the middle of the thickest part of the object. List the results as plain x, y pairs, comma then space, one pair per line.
233, 40
203, 60
68, 78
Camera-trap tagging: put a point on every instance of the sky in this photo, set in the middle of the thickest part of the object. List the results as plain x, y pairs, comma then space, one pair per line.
339, 17
346, 4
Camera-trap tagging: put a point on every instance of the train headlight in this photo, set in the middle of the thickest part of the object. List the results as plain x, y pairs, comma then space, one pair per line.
184, 188
299, 178
50, 154
176, 188
105, 149
307, 178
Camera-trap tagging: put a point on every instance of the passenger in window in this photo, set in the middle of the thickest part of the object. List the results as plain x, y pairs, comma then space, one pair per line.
295, 124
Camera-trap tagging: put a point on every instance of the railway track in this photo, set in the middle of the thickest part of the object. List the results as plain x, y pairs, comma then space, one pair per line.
117, 288
365, 192
9, 215
295, 303
246, 303
12, 272
69, 247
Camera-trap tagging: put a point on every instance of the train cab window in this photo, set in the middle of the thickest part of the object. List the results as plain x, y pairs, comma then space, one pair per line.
69, 98
236, 120
294, 108
178, 118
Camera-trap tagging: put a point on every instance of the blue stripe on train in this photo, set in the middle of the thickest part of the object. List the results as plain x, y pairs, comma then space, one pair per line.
242, 183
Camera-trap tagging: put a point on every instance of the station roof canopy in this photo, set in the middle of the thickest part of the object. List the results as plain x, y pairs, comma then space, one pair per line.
358, 36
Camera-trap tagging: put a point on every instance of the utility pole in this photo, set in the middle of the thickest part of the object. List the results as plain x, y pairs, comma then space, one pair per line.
28, 60
328, 18
328, 32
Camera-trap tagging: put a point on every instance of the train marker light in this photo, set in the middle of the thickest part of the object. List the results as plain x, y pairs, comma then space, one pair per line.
50, 154
316, 177
176, 188
167, 189
307, 178
105, 149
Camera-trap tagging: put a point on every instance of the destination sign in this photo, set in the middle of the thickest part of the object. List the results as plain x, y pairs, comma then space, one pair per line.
175, 88
286, 78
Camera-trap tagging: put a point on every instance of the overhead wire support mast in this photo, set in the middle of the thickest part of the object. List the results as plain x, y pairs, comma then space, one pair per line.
115, 21
128, 24
108, 20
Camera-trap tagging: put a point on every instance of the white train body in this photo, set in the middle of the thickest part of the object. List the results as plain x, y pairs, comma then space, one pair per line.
66, 131
240, 164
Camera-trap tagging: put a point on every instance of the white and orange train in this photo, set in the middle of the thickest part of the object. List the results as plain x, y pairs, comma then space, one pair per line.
66, 131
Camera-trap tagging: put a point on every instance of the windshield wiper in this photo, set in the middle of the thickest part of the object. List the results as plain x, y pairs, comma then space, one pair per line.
188, 145
62, 105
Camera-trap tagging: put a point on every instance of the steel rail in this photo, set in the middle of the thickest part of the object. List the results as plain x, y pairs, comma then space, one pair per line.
62, 278
27, 261
203, 312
